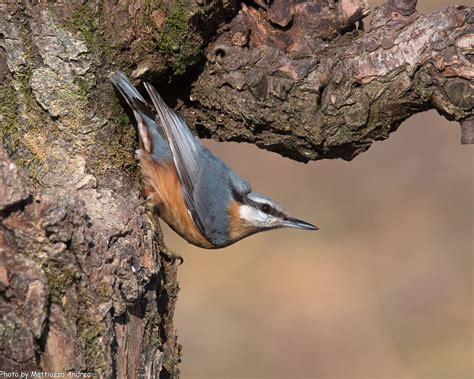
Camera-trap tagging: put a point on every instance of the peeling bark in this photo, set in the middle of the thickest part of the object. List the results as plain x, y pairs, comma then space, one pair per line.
82, 284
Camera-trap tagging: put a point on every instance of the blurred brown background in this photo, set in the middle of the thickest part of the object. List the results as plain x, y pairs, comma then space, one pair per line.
382, 290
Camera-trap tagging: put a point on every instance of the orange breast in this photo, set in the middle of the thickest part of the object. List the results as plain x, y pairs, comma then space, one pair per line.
239, 228
163, 189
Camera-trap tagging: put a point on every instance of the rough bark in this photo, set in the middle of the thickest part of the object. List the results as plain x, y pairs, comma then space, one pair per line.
323, 89
83, 287
82, 284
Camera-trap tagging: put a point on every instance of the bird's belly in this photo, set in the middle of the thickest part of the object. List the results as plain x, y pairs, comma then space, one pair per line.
163, 189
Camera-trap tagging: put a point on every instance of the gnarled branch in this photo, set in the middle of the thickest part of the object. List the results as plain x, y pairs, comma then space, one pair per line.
298, 78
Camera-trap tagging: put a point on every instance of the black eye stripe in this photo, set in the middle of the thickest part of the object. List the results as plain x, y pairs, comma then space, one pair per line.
265, 208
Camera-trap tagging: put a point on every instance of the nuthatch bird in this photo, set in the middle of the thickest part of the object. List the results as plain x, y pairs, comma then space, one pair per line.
197, 194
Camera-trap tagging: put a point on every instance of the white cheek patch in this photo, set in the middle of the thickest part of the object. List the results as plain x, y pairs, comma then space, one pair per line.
252, 216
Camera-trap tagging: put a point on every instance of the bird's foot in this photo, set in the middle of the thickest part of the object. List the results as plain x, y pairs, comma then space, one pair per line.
170, 256
153, 211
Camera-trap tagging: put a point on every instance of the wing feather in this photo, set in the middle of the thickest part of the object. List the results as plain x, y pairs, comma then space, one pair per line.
185, 150
207, 183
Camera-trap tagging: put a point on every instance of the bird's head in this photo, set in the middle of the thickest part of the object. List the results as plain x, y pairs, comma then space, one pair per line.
255, 212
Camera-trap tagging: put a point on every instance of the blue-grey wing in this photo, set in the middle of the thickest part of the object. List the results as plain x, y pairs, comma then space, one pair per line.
207, 183
216, 188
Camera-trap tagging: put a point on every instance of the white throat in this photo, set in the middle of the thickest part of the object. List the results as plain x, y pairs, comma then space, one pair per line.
255, 217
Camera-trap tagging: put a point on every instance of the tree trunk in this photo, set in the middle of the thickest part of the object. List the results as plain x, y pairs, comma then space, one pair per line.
83, 286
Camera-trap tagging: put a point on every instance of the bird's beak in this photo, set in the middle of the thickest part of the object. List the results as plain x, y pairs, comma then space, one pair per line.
290, 222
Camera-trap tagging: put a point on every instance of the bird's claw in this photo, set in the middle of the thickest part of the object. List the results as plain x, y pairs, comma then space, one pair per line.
171, 256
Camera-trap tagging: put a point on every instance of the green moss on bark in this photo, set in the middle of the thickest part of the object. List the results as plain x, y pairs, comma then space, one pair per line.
8, 120
177, 39
59, 279
90, 333
83, 20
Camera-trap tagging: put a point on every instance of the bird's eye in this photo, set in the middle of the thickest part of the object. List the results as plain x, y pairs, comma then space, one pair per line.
265, 208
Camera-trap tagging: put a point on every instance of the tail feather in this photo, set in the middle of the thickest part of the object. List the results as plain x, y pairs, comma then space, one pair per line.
151, 133
131, 95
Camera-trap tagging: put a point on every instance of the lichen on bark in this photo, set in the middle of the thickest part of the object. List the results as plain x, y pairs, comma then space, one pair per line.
82, 227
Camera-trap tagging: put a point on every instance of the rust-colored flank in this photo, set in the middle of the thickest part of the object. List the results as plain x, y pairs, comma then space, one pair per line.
162, 189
